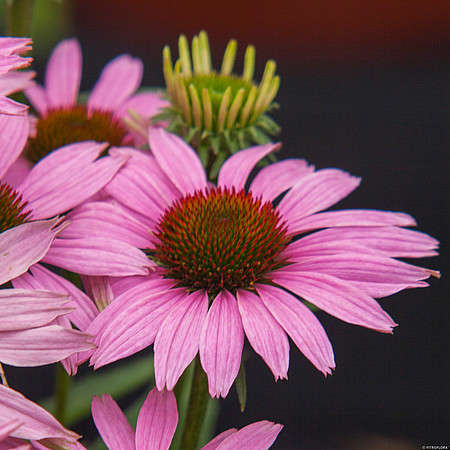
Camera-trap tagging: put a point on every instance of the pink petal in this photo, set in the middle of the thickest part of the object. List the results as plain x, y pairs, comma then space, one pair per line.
178, 161
131, 322
301, 325
15, 81
7, 428
315, 192
99, 289
25, 245
17, 172
42, 278
40, 346
47, 188
16, 444
11, 107
236, 169
112, 424
13, 135
146, 104
22, 308
98, 256
14, 45
212, 445
63, 74
259, 435
118, 80
38, 98
177, 341
36, 422
264, 333
221, 343
157, 421
354, 217
273, 180
337, 297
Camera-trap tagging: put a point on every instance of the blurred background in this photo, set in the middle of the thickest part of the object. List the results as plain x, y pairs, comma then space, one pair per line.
365, 87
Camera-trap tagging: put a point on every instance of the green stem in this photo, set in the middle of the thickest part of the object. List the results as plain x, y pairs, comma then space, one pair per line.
62, 387
19, 15
196, 412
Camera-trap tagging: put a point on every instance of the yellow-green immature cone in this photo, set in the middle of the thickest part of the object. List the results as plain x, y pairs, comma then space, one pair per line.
218, 112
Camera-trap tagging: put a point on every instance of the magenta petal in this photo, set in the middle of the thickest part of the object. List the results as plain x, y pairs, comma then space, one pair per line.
337, 297
315, 192
221, 343
23, 246
264, 333
301, 325
36, 422
273, 180
178, 161
63, 74
40, 346
13, 135
118, 80
112, 424
98, 256
22, 308
157, 421
177, 341
236, 169
259, 435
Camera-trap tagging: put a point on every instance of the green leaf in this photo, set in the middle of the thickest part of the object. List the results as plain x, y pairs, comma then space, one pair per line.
210, 422
241, 387
117, 382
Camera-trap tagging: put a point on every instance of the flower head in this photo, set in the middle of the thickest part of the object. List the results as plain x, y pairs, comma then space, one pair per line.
158, 420
233, 259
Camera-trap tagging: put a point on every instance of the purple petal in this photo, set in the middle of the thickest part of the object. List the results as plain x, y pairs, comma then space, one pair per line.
301, 325
221, 343
63, 74
315, 192
112, 423
118, 80
236, 169
264, 333
273, 180
178, 161
177, 341
157, 421
337, 297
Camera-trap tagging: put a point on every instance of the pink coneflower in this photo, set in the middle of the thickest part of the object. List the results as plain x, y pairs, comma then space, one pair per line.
22, 420
233, 260
158, 420
63, 120
11, 81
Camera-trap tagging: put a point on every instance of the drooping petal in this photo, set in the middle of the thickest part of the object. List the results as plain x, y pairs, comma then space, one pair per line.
98, 256
13, 135
236, 169
49, 191
118, 80
259, 435
22, 308
25, 245
63, 74
14, 45
157, 421
177, 160
212, 445
112, 424
38, 98
273, 180
40, 346
221, 343
337, 297
11, 107
315, 192
264, 333
301, 325
177, 341
36, 422
8, 427
15, 81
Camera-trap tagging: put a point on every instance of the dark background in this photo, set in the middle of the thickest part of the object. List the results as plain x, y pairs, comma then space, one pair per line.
364, 88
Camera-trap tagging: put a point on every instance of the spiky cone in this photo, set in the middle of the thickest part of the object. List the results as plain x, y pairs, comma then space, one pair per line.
217, 112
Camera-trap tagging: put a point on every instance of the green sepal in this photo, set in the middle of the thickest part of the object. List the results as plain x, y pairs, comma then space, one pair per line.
213, 172
241, 387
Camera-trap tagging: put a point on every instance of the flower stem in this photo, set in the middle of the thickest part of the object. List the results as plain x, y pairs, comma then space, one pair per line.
196, 412
19, 14
62, 387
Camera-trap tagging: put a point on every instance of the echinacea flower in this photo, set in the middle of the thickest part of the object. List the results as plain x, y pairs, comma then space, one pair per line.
157, 422
11, 81
231, 260
63, 120
22, 420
